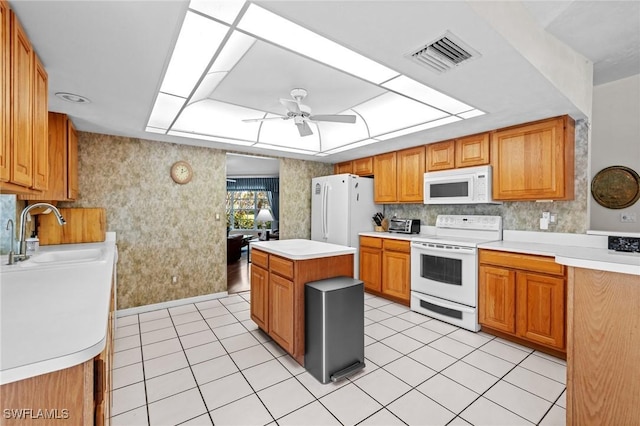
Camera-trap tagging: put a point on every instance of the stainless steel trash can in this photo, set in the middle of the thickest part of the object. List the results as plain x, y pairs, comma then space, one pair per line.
334, 328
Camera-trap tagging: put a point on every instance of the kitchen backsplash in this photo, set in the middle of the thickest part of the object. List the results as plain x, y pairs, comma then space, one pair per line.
520, 216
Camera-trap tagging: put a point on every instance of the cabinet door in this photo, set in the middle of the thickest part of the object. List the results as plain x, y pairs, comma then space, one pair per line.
371, 268
534, 161
340, 168
260, 297
40, 127
21, 106
472, 150
5, 78
384, 183
72, 151
411, 174
541, 309
396, 274
497, 298
281, 311
363, 166
440, 156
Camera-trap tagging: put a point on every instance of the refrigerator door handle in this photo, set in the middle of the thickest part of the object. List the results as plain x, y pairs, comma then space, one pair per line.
325, 211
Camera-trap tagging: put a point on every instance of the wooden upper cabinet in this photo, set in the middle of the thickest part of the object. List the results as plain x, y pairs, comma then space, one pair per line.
345, 167
21, 106
385, 186
5, 78
363, 166
472, 150
441, 156
411, 174
534, 161
72, 170
40, 127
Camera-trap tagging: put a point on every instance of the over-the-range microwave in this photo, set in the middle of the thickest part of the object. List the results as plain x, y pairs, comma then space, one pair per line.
469, 185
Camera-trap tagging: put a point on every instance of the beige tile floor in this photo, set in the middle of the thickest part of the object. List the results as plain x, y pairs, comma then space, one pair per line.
207, 363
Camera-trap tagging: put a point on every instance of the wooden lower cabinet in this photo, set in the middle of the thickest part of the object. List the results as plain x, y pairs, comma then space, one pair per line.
523, 296
385, 268
277, 294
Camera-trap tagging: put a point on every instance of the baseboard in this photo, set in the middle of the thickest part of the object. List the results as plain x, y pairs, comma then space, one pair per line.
169, 304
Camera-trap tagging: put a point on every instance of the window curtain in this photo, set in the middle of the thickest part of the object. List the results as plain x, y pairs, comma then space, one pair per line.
270, 185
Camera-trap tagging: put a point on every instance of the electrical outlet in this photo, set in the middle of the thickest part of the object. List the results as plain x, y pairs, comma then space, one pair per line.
174, 279
628, 217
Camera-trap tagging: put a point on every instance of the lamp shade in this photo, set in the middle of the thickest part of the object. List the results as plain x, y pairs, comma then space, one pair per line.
264, 215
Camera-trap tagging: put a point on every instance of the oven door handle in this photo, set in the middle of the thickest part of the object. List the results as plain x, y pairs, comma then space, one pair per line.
466, 250
443, 303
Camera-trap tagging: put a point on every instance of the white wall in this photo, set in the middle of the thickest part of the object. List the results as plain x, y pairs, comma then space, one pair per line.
615, 140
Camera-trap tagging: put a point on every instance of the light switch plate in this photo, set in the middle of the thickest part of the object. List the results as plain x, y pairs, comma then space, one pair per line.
628, 217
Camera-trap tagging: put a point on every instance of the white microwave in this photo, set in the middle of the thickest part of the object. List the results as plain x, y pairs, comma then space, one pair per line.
469, 185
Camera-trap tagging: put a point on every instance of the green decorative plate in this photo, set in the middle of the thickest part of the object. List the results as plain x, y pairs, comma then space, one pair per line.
616, 187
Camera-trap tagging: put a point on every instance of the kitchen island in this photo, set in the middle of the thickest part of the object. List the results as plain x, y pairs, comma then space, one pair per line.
279, 271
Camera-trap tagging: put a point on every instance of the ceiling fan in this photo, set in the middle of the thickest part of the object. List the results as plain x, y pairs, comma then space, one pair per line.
301, 114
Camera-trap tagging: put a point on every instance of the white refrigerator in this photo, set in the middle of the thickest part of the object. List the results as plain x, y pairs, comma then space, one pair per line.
341, 207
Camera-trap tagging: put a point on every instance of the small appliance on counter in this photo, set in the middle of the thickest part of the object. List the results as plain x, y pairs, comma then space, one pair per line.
624, 244
404, 226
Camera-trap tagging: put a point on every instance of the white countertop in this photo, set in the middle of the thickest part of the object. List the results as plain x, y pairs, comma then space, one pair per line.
54, 316
298, 249
577, 250
390, 235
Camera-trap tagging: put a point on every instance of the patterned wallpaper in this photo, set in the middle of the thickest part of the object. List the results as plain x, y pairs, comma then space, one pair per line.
164, 229
521, 216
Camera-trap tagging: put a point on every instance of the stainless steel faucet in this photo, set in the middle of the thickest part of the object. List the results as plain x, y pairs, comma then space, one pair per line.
10, 259
22, 254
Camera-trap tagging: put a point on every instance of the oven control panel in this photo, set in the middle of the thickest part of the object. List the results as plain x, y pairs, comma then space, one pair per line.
489, 223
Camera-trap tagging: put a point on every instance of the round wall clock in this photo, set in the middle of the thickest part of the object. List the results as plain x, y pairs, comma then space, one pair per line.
181, 172
616, 187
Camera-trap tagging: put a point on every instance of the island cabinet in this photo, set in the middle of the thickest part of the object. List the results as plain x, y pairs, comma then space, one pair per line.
603, 362
523, 297
385, 267
462, 152
399, 176
534, 161
62, 161
277, 293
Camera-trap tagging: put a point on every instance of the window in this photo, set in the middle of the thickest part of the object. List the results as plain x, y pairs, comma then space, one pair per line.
243, 207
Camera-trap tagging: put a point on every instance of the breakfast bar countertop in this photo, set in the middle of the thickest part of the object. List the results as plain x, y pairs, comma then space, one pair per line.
299, 249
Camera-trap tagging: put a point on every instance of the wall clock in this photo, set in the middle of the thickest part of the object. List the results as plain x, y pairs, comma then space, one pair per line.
181, 172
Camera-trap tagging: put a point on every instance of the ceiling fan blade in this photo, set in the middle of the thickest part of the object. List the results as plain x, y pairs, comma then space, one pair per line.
334, 118
304, 129
253, 120
291, 105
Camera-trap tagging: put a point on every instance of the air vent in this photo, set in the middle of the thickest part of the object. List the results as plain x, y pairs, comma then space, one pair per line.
444, 54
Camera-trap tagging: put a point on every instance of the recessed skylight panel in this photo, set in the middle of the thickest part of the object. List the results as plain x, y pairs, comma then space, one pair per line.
285, 33
198, 41
218, 118
285, 133
165, 110
234, 49
418, 91
334, 135
420, 127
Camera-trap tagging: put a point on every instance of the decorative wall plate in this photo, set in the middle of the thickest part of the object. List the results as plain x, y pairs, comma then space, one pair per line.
616, 187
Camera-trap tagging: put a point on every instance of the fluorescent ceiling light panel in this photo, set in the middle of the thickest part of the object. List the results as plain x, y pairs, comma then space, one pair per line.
284, 149
390, 112
165, 110
352, 146
198, 41
471, 114
285, 33
420, 127
210, 138
334, 135
211, 117
207, 86
234, 49
224, 10
418, 91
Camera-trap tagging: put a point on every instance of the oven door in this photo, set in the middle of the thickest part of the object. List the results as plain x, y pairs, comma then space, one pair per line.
445, 271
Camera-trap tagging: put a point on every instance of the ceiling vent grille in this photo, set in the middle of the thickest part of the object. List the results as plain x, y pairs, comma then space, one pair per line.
444, 54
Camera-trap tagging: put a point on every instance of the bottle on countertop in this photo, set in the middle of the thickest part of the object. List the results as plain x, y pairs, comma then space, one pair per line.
33, 244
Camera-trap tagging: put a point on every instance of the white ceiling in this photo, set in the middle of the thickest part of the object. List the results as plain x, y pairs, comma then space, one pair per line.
116, 52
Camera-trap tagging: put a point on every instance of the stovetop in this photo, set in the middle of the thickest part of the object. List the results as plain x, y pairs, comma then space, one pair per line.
467, 230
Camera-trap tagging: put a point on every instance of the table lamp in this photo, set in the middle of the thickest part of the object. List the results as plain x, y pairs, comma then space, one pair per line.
264, 215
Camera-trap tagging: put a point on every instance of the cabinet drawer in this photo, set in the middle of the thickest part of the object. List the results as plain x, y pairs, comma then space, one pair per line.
281, 266
260, 258
371, 242
397, 245
528, 262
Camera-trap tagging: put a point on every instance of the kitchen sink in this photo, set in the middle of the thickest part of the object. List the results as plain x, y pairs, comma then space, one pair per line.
65, 256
